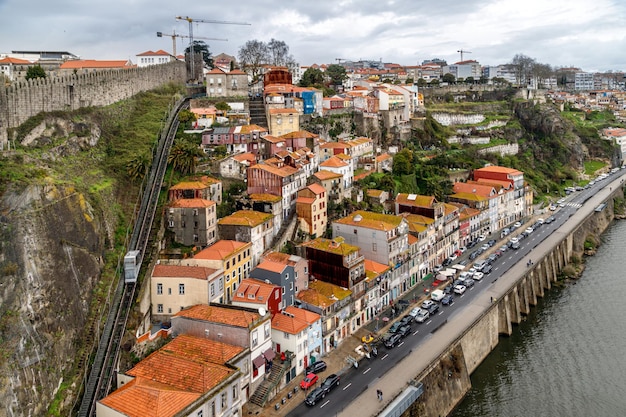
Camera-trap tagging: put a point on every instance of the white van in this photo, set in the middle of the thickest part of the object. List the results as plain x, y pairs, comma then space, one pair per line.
437, 295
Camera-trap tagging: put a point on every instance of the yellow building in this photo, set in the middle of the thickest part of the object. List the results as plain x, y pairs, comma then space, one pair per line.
233, 257
283, 121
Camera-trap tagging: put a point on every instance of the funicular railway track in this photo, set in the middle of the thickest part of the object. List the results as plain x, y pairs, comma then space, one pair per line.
103, 370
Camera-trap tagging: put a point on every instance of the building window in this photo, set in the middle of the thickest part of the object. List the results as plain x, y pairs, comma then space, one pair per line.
181, 289
255, 338
159, 289
169, 291
235, 392
200, 414
373, 247
267, 330
159, 308
212, 290
223, 401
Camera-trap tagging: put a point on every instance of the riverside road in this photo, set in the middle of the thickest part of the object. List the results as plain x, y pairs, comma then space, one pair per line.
391, 370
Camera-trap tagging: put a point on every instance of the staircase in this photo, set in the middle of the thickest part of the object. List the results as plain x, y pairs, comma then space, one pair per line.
271, 385
257, 113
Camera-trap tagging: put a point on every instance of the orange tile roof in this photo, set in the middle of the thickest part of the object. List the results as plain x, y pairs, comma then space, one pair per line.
415, 200
247, 129
260, 290
333, 162
376, 267
293, 320
142, 397
383, 157
334, 145
181, 271
323, 294
299, 134
191, 203
92, 63
305, 200
199, 349
469, 196
189, 185
221, 249
474, 188
283, 258
14, 61
417, 218
374, 193
153, 53
283, 111
248, 218
271, 198
337, 246
327, 175
316, 188
412, 239
216, 314
281, 172
272, 266
496, 168
495, 183
371, 220
180, 372
247, 156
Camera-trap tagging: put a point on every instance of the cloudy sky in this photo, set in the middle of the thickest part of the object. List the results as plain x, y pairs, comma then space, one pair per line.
587, 34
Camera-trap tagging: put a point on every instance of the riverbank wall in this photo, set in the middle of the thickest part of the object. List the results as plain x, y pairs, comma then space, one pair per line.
447, 380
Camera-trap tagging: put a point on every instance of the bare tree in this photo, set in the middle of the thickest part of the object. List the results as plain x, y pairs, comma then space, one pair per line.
542, 72
523, 66
253, 55
279, 53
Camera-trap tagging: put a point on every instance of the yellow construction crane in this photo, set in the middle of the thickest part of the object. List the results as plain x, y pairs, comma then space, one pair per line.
175, 35
191, 21
461, 51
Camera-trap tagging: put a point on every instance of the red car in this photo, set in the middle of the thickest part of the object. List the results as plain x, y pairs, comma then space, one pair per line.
309, 381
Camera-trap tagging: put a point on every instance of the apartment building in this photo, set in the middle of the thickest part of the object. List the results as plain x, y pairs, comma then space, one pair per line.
249, 226
193, 221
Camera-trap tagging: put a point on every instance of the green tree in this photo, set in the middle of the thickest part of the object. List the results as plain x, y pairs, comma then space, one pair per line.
312, 76
421, 82
36, 71
186, 116
336, 74
200, 47
470, 80
183, 156
222, 106
138, 167
403, 163
448, 78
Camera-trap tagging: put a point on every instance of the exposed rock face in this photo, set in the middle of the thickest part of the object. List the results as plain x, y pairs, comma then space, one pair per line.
52, 247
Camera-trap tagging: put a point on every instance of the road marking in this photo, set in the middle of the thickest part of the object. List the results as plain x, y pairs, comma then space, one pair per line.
367, 370
401, 343
441, 312
429, 321
322, 406
496, 268
416, 332
347, 386
383, 358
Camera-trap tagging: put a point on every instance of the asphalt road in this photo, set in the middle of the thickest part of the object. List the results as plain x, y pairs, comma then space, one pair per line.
357, 380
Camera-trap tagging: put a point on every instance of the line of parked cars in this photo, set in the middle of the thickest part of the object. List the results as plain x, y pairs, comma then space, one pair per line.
312, 378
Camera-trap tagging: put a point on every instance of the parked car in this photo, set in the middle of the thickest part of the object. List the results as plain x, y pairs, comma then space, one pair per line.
459, 289
433, 309
481, 238
449, 288
447, 300
330, 382
453, 257
478, 276
487, 269
515, 246
503, 248
316, 367
491, 243
308, 381
391, 340
314, 396
406, 320
469, 282
492, 258
517, 225
427, 303
422, 315
528, 230
473, 255
404, 331
394, 327
413, 313
485, 246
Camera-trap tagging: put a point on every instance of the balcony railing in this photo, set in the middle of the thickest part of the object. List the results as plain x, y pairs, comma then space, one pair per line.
349, 263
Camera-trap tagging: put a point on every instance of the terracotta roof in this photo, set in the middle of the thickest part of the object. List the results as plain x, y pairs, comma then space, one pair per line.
281, 172
153, 53
495, 183
180, 271
189, 185
316, 188
293, 320
299, 134
326, 175
417, 219
92, 63
247, 129
323, 294
259, 290
237, 72
200, 349
333, 162
283, 258
478, 189
370, 220
283, 111
337, 246
495, 168
216, 70
14, 61
305, 200
247, 156
383, 157
334, 145
376, 267
221, 249
271, 198
249, 218
272, 266
191, 203
469, 196
415, 200
374, 193
216, 314
412, 239
142, 397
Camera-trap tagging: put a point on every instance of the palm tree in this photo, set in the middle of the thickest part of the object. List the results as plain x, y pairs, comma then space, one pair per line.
138, 167
183, 156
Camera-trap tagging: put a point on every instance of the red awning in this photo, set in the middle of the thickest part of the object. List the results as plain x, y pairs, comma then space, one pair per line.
269, 354
259, 361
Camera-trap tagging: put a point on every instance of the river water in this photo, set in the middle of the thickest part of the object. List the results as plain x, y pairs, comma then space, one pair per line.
568, 358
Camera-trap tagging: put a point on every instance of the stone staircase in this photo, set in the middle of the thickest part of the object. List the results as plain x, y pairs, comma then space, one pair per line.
272, 383
257, 113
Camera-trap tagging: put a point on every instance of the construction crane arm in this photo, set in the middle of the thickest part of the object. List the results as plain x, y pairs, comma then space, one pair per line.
223, 22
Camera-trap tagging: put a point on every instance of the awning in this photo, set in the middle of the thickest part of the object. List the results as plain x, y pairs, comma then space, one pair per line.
259, 361
269, 354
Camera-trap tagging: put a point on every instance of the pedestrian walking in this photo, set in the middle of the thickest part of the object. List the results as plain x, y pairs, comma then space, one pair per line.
381, 395
378, 394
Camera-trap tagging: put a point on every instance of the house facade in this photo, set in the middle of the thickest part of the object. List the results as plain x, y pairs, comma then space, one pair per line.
193, 221
249, 226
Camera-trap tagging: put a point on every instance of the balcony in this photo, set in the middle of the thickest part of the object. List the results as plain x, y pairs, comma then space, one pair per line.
350, 263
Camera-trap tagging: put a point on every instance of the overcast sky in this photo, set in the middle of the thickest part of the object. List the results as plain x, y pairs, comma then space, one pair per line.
587, 34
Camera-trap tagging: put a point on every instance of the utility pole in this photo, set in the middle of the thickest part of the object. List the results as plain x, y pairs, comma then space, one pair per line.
190, 21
